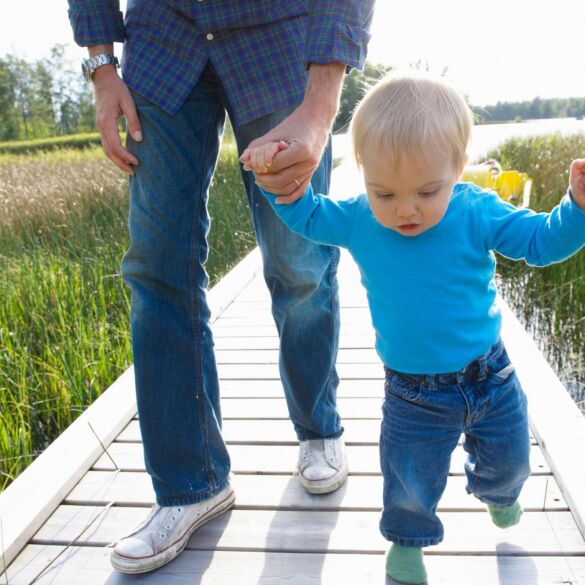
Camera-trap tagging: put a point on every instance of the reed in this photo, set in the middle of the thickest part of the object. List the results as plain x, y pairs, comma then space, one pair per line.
64, 327
550, 301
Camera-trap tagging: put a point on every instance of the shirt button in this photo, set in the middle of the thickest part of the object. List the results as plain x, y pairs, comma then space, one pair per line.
209, 36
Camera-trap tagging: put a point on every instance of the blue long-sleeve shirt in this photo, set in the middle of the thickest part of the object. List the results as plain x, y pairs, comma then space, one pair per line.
259, 48
432, 296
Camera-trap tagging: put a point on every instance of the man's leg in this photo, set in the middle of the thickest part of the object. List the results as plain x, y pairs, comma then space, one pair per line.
301, 278
176, 377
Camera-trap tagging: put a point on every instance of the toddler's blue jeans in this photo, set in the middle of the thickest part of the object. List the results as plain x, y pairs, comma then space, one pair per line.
424, 417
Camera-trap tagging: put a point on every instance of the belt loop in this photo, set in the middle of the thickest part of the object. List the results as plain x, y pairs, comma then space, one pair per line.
431, 382
482, 366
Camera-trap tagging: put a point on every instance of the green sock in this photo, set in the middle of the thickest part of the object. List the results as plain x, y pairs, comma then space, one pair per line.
505, 517
405, 564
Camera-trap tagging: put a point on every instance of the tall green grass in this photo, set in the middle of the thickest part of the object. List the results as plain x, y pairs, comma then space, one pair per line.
550, 301
64, 327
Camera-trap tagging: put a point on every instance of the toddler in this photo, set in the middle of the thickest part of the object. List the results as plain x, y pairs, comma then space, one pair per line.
424, 244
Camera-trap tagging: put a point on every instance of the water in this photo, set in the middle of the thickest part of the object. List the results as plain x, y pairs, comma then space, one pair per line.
488, 136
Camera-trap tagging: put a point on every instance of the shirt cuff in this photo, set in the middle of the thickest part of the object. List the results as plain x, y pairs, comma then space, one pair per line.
337, 42
99, 24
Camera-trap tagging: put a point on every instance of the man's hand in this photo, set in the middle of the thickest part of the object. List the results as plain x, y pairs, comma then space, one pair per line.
306, 131
113, 100
577, 182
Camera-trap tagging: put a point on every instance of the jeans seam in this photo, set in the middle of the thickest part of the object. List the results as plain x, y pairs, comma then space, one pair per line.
194, 265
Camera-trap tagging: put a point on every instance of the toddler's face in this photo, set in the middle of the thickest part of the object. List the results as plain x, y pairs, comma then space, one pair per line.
412, 197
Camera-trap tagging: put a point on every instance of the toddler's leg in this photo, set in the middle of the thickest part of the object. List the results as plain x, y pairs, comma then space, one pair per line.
420, 430
498, 447
405, 565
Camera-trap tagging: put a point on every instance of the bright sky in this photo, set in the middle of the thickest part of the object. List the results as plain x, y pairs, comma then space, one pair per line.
504, 50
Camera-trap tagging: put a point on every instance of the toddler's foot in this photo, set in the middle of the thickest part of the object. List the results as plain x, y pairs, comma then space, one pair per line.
505, 517
404, 564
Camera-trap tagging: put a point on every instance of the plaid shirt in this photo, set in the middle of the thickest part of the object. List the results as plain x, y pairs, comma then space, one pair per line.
260, 49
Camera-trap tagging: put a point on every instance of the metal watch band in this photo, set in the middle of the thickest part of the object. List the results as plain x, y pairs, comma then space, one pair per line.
88, 66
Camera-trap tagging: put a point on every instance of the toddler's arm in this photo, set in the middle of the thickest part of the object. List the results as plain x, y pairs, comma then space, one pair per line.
318, 218
539, 238
259, 158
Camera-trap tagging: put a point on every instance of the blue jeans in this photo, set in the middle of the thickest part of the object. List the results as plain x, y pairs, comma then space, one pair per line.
423, 419
176, 376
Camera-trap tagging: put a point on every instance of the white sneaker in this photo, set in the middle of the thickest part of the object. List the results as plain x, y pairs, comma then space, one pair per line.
165, 533
322, 466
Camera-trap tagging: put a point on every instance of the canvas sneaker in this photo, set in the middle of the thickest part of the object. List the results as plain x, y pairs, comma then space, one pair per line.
165, 533
322, 466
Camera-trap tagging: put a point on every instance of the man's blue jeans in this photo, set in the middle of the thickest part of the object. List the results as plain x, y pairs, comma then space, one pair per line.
176, 375
423, 419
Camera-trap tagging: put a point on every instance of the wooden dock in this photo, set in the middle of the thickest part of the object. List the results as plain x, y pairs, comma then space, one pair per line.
60, 516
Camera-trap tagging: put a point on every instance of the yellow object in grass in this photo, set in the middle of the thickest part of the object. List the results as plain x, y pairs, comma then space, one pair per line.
512, 186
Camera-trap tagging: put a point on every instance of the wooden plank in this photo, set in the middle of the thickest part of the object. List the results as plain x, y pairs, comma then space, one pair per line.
349, 316
270, 330
269, 459
551, 533
558, 423
273, 432
270, 356
273, 389
276, 408
37, 491
271, 372
236, 280
284, 491
346, 341
91, 566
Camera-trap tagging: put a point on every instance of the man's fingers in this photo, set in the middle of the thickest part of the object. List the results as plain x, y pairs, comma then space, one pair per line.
294, 154
132, 120
298, 192
115, 151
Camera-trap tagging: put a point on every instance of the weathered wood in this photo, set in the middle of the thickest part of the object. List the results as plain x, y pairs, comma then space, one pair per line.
281, 459
274, 432
558, 422
271, 372
276, 408
551, 533
285, 491
346, 341
270, 356
273, 388
91, 566
39, 489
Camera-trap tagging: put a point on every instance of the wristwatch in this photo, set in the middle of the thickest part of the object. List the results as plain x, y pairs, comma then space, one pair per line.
88, 66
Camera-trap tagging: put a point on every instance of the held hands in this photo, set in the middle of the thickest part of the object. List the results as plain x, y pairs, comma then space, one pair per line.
113, 100
577, 182
304, 135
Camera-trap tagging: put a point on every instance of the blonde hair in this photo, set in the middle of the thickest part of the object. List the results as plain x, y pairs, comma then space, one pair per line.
411, 114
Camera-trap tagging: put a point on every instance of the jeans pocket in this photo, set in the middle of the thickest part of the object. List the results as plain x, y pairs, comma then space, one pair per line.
403, 386
502, 374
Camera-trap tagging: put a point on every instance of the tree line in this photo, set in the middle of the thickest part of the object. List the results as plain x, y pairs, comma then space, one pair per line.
48, 97
537, 108
43, 98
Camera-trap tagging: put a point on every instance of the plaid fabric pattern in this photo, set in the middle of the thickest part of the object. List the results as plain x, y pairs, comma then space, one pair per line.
259, 48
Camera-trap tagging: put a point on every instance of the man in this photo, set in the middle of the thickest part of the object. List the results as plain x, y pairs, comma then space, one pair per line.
277, 69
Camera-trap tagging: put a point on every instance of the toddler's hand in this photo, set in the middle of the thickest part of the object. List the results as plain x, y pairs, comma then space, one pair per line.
577, 182
259, 158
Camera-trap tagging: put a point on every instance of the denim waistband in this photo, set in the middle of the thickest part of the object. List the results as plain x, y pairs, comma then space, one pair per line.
475, 370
